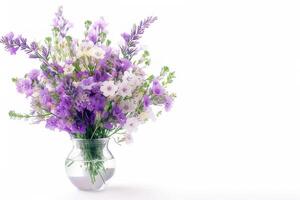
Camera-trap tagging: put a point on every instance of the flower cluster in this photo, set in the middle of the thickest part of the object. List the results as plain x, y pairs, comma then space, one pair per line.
88, 88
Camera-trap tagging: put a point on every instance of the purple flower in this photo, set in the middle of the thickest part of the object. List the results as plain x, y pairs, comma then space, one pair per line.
108, 125
123, 64
100, 76
97, 103
25, 86
45, 98
64, 107
93, 36
100, 25
157, 89
97, 28
87, 81
13, 50
10, 36
146, 101
78, 127
118, 113
57, 68
51, 123
168, 103
125, 36
60, 23
129, 49
33, 74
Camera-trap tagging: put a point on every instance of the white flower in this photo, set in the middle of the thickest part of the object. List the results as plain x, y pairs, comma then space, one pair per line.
147, 114
138, 71
108, 88
128, 138
132, 80
127, 77
136, 81
131, 124
124, 89
97, 52
127, 106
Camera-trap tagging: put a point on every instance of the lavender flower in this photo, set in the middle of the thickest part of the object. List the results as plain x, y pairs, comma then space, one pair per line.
60, 23
13, 44
129, 49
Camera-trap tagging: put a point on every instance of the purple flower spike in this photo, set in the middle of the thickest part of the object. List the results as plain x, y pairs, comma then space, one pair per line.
129, 49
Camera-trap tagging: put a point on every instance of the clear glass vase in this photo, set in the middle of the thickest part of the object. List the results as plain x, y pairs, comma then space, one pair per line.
90, 163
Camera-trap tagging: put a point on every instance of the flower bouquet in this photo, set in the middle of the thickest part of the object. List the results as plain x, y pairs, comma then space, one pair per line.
92, 91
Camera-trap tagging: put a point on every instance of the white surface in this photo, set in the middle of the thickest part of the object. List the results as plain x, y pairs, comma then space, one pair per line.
233, 133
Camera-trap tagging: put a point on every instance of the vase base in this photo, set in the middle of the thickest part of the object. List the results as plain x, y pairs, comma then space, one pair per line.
84, 182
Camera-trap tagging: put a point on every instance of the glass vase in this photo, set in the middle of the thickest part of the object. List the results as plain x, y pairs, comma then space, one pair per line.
90, 164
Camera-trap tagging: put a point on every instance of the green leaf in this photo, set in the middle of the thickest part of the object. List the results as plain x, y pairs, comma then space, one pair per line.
87, 24
69, 38
48, 40
108, 42
14, 79
159, 113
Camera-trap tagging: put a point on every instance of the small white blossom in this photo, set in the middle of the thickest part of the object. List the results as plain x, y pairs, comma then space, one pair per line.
124, 89
132, 80
136, 81
97, 52
108, 88
127, 77
131, 124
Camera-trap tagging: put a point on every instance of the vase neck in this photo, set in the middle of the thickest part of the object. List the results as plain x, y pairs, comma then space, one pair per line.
101, 142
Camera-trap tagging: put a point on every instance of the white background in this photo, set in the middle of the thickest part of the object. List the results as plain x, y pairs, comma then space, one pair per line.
233, 132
